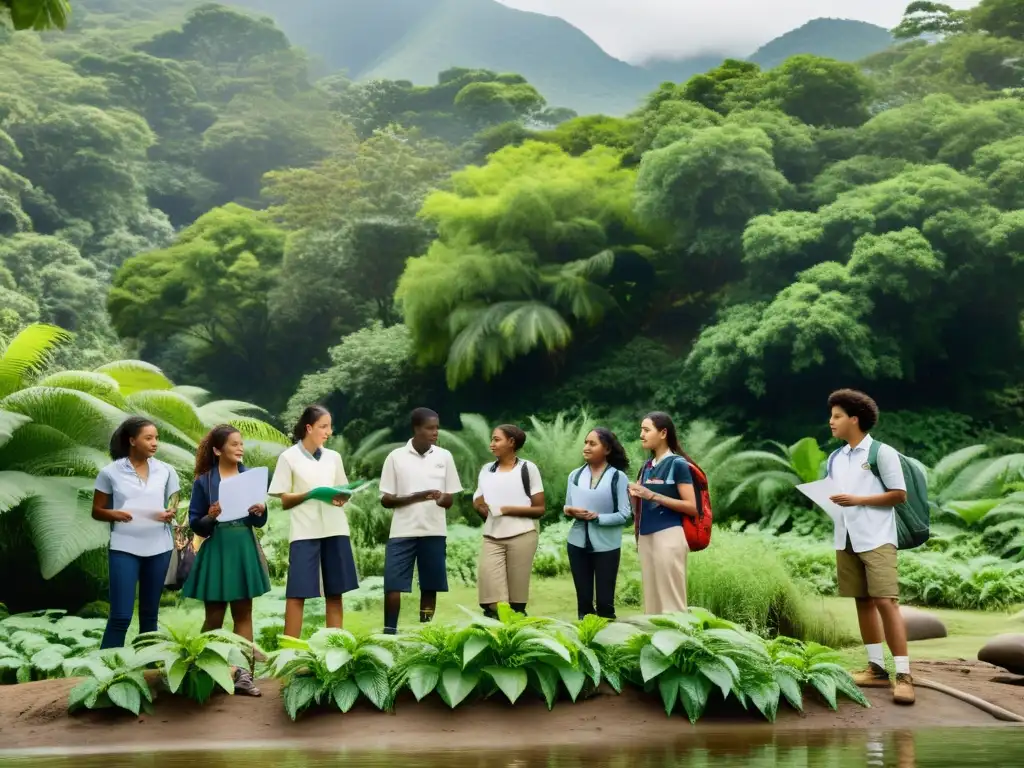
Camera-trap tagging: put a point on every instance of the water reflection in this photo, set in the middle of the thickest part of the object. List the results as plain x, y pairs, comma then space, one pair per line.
948, 748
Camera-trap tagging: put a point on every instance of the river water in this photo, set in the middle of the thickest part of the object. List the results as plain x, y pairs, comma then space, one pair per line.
946, 748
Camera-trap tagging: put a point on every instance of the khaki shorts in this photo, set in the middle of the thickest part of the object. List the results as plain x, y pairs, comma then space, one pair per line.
505, 568
868, 574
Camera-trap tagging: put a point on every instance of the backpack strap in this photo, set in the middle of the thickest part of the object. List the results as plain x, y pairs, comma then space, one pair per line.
831, 458
526, 477
873, 459
615, 486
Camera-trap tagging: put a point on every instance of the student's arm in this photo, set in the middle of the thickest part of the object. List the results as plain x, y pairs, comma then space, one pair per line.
891, 472
389, 489
536, 508
478, 496
281, 485
101, 496
623, 509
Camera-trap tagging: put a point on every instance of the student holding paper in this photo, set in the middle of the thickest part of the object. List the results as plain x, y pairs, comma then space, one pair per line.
865, 538
664, 494
137, 494
229, 569
418, 482
320, 551
510, 498
597, 499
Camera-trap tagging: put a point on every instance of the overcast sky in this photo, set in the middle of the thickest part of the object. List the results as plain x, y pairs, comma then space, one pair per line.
635, 30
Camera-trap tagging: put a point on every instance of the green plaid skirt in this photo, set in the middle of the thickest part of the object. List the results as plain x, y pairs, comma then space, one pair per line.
229, 566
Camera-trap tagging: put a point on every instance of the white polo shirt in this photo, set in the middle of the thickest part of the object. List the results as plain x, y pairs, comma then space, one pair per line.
407, 471
868, 527
298, 472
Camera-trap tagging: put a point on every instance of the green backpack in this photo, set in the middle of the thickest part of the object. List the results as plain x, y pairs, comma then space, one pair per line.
913, 516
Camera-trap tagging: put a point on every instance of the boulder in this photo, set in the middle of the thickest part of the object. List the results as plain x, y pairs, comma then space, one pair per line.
1006, 651
921, 625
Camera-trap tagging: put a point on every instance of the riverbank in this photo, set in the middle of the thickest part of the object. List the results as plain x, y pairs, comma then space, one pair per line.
34, 715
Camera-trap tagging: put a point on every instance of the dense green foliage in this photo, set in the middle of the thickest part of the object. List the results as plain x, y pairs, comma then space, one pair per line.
682, 657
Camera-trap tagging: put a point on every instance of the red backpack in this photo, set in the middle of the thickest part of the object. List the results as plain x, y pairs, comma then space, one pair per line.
697, 529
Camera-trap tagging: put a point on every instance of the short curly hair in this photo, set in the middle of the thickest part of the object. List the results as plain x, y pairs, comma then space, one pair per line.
856, 404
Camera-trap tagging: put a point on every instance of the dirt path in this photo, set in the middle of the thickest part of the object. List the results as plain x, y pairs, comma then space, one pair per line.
34, 715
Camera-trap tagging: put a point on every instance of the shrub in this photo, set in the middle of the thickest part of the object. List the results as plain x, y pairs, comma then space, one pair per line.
34, 646
332, 666
97, 609
191, 663
114, 678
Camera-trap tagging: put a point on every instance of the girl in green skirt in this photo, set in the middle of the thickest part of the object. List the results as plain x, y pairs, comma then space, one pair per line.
229, 568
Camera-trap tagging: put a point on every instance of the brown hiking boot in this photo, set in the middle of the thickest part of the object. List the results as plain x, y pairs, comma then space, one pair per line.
903, 691
872, 677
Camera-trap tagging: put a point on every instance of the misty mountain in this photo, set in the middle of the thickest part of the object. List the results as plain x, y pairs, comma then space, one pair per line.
416, 39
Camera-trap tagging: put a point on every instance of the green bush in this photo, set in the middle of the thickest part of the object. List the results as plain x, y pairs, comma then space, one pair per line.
98, 609
369, 560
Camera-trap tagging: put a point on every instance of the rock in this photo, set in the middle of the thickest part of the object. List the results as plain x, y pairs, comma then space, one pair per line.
1006, 651
921, 625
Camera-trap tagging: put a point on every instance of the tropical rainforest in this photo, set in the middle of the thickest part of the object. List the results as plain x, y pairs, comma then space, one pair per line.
200, 222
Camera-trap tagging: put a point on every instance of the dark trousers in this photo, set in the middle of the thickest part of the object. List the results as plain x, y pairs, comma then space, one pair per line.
590, 570
126, 573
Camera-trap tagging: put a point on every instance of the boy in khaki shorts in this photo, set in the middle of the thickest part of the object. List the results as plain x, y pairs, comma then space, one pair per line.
865, 538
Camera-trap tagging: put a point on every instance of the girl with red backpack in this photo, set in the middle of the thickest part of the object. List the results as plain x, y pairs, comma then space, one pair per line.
663, 494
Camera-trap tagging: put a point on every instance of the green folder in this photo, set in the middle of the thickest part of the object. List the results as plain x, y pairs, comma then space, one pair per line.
327, 493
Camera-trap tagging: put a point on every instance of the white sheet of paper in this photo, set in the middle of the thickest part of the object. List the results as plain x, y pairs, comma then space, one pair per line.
144, 510
503, 490
242, 491
819, 492
589, 499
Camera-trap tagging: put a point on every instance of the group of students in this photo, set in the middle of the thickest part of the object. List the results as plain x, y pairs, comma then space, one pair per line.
419, 482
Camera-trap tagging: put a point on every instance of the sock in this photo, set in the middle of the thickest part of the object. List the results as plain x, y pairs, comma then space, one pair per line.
902, 665
875, 654
390, 622
426, 614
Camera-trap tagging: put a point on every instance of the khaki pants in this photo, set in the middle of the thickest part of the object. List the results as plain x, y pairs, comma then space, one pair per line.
505, 567
663, 570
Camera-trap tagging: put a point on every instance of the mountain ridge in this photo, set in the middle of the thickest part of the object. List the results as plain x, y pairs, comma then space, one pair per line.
414, 40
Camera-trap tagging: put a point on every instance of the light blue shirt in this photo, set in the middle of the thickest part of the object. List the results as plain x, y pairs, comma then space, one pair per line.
121, 482
605, 533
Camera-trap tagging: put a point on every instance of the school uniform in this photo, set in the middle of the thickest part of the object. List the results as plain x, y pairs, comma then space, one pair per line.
229, 565
661, 541
509, 543
865, 537
594, 546
140, 553
419, 532
320, 560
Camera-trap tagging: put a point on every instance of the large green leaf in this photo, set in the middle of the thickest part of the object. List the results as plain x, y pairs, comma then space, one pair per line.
85, 419
27, 354
135, 376
572, 678
15, 487
40, 15
511, 682
125, 695
547, 682
345, 693
41, 450
456, 684
171, 408
693, 692
423, 678
97, 384
807, 457
473, 647
81, 693
299, 694
652, 663
668, 687
9, 422
218, 670
375, 686
336, 658
60, 521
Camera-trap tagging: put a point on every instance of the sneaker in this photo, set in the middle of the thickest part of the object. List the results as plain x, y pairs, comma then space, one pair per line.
244, 683
872, 677
903, 691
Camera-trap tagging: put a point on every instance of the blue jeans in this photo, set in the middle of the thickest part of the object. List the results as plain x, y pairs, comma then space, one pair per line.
126, 572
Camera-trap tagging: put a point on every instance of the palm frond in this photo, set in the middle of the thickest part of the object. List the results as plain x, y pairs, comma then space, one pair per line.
60, 520
9, 423
948, 467
27, 354
197, 395
41, 450
84, 418
136, 376
171, 408
100, 385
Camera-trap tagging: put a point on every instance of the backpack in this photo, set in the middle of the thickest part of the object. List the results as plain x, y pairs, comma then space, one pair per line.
525, 472
697, 529
913, 517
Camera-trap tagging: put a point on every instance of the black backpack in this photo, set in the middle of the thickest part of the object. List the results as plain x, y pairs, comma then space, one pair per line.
525, 472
